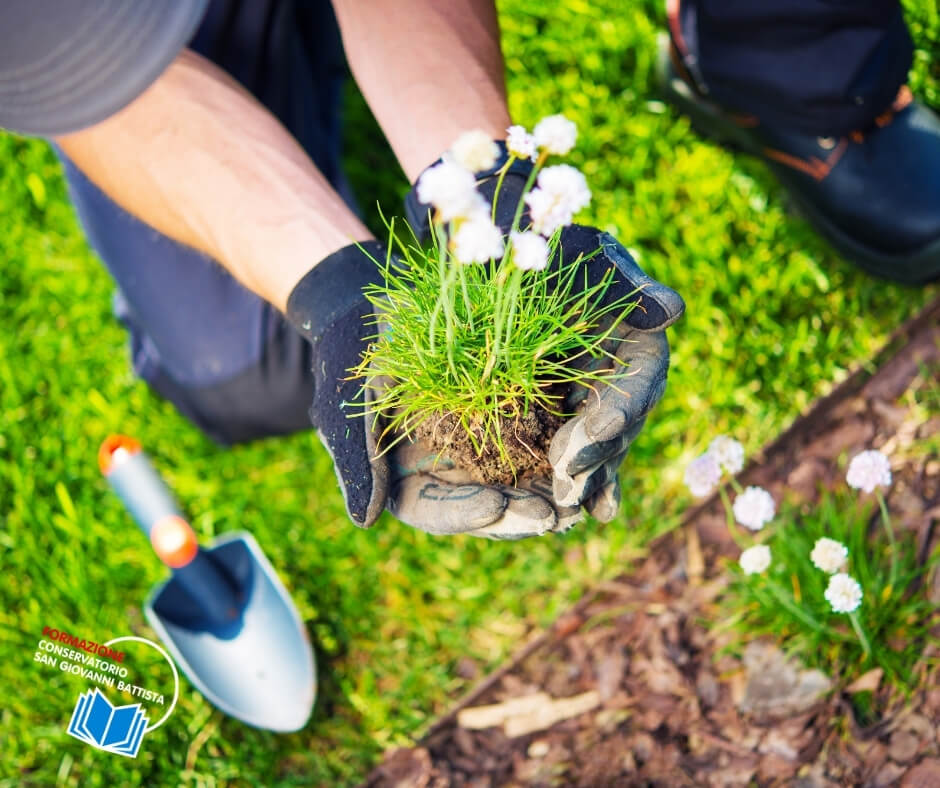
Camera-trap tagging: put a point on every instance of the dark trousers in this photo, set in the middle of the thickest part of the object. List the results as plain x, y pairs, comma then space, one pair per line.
825, 67
227, 359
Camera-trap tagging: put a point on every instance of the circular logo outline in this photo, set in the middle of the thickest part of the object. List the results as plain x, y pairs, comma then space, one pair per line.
176, 676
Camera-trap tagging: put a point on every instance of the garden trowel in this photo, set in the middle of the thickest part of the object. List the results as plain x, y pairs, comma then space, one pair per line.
224, 615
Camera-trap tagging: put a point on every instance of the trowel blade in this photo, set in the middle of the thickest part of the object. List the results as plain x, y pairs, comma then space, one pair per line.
261, 670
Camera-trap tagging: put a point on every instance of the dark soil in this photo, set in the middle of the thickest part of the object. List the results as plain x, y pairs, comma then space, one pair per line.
525, 438
663, 708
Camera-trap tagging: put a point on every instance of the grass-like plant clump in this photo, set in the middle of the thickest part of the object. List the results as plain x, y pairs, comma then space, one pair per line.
830, 582
480, 334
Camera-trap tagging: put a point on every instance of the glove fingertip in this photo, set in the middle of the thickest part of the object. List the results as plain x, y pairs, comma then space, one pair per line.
604, 505
604, 424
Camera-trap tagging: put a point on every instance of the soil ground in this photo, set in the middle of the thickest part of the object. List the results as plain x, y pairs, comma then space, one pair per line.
660, 707
525, 438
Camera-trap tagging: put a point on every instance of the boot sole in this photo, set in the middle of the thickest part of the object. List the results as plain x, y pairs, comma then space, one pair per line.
911, 268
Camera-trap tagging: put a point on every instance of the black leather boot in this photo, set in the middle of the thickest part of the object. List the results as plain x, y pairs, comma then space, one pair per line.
874, 194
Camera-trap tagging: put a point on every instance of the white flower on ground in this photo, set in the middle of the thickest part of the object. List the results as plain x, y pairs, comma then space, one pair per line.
755, 559
728, 452
555, 134
844, 593
451, 189
702, 475
753, 508
829, 555
562, 192
869, 470
474, 151
477, 239
520, 143
530, 251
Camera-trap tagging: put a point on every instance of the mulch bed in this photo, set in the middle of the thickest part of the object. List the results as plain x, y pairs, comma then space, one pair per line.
663, 709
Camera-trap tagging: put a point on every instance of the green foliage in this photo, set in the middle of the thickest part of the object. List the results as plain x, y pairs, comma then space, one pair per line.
483, 342
787, 602
774, 317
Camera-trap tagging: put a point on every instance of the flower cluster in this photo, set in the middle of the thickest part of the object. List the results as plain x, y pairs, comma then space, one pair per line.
703, 474
829, 555
561, 192
844, 593
754, 508
728, 452
755, 559
450, 187
869, 470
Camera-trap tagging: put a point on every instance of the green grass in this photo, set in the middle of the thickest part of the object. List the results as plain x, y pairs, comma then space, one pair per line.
774, 317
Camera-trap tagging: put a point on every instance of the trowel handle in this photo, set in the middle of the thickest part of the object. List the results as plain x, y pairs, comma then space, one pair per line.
137, 483
139, 486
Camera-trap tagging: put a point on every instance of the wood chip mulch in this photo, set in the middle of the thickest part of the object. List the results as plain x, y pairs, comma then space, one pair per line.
626, 688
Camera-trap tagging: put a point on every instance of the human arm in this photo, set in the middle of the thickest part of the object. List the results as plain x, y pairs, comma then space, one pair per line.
429, 70
199, 159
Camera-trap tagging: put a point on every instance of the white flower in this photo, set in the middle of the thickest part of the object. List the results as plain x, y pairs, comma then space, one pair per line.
702, 475
844, 593
474, 151
520, 143
755, 559
451, 189
869, 470
754, 508
530, 251
477, 239
829, 555
555, 134
562, 192
728, 452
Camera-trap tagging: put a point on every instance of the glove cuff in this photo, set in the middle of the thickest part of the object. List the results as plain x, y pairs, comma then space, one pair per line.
333, 287
416, 212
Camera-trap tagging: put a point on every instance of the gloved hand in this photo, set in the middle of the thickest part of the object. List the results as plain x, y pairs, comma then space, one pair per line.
327, 307
588, 449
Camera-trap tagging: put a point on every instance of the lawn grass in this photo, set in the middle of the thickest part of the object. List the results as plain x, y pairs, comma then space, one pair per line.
774, 318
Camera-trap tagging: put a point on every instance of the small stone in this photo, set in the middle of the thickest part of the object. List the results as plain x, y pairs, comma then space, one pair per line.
467, 668
887, 775
538, 749
776, 686
925, 775
904, 746
706, 686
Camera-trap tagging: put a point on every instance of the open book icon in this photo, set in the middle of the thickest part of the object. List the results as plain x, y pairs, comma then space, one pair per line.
113, 729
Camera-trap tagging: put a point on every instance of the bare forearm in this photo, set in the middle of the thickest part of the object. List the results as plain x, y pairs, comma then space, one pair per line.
199, 159
429, 70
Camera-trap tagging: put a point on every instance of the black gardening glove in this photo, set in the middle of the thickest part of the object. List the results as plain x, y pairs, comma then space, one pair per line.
588, 449
419, 487
328, 308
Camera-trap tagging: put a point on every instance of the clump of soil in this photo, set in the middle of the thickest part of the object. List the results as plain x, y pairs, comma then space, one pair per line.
525, 438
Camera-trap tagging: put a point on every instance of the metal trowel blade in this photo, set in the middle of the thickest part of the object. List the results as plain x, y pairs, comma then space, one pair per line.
260, 669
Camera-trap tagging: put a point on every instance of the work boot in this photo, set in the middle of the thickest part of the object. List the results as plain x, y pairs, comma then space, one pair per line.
874, 194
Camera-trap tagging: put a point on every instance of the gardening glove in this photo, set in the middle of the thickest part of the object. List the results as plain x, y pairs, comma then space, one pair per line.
588, 448
430, 492
328, 308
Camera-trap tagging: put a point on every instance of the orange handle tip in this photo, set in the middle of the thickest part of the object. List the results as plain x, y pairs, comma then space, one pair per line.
174, 541
110, 445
